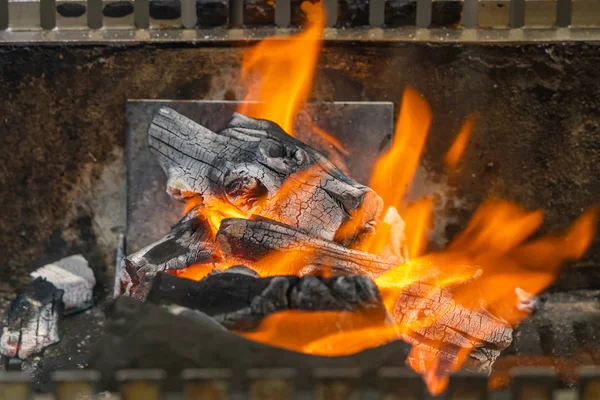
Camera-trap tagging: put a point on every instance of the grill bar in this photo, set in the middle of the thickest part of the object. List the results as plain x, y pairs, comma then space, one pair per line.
134, 21
287, 383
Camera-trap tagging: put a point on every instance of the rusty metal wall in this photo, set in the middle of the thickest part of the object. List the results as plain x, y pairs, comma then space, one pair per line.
63, 121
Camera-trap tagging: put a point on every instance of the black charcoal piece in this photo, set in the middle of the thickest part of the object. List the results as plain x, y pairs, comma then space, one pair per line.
212, 13
240, 301
71, 10
143, 335
259, 12
165, 9
400, 13
353, 13
118, 9
446, 13
32, 320
190, 241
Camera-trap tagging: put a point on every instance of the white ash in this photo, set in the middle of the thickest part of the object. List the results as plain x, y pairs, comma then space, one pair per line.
32, 320
34, 336
74, 276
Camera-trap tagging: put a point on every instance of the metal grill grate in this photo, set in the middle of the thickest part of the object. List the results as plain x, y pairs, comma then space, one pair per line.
387, 383
237, 20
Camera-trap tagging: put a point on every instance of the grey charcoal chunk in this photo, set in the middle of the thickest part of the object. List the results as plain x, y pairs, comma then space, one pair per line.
32, 320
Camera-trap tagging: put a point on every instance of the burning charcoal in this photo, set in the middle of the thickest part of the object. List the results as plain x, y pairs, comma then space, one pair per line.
32, 320
255, 166
240, 301
143, 335
74, 276
190, 241
252, 240
400, 13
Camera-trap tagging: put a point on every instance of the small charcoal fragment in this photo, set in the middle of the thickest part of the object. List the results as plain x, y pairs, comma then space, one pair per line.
165, 9
212, 13
32, 320
74, 276
71, 10
400, 13
118, 9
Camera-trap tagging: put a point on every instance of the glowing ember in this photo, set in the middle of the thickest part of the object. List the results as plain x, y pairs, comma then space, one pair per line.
394, 170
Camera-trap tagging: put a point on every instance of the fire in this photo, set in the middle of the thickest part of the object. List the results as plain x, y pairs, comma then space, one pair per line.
285, 69
457, 149
488, 269
394, 170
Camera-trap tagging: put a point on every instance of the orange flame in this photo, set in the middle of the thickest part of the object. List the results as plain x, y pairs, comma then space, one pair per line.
487, 270
419, 218
394, 170
286, 68
457, 149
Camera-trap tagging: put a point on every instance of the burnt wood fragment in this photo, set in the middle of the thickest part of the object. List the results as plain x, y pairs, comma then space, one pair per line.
240, 301
251, 240
258, 168
446, 13
191, 241
32, 320
143, 335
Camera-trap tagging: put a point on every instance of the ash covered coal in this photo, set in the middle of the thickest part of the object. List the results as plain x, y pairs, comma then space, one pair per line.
32, 320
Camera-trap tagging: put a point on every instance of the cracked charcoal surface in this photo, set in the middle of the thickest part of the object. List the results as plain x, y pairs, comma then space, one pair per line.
239, 301
251, 240
205, 344
32, 320
247, 164
455, 326
191, 241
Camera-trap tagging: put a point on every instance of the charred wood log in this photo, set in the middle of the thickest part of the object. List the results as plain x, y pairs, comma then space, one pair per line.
252, 240
191, 241
240, 301
440, 328
261, 170
143, 335
32, 320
